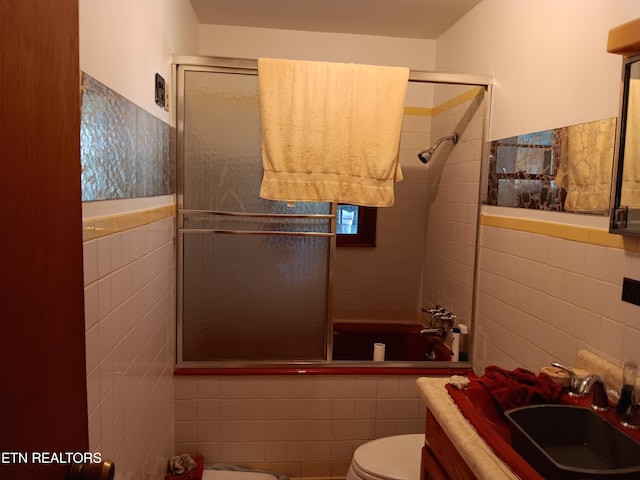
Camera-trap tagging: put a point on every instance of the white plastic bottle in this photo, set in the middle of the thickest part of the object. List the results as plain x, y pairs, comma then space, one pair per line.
455, 344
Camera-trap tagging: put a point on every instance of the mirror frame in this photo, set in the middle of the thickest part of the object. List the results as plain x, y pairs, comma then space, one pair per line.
622, 219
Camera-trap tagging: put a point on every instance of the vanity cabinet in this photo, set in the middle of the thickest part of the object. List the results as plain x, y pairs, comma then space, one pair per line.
440, 459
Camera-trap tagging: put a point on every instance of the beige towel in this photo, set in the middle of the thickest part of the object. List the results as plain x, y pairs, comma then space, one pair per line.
585, 168
330, 131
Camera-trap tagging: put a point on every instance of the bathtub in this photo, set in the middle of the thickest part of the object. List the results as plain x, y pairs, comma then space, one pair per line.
354, 341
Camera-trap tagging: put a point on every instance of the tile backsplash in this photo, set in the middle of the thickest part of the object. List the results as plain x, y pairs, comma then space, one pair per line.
547, 290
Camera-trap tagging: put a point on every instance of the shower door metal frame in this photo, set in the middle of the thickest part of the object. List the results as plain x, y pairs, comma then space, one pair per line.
250, 67
239, 67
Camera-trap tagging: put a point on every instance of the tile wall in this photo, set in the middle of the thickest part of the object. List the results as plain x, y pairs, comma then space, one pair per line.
546, 290
452, 204
129, 276
389, 276
301, 426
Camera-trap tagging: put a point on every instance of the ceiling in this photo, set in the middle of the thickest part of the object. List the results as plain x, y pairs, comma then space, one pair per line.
424, 19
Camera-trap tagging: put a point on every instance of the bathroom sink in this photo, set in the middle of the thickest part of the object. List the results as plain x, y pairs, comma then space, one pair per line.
488, 419
482, 411
572, 442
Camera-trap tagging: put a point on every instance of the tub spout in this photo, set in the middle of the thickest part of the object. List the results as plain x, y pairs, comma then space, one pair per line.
434, 332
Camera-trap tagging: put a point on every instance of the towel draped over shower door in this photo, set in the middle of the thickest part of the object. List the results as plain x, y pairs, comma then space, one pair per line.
331, 131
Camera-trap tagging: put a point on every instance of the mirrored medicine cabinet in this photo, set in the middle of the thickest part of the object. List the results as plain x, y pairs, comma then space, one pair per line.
625, 198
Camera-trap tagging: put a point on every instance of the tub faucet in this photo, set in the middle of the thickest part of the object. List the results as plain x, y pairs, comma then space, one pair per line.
434, 332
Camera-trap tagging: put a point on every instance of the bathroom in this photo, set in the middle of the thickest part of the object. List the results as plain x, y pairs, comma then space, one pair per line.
542, 80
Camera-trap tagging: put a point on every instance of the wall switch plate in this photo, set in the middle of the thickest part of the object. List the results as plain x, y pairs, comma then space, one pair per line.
160, 91
631, 291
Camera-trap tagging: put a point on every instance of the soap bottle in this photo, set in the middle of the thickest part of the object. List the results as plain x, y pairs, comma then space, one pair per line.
629, 375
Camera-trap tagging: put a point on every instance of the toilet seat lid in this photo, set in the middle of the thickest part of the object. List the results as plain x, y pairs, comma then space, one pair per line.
391, 458
235, 475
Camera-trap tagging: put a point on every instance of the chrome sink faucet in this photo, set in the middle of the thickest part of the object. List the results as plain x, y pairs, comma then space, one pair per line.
582, 387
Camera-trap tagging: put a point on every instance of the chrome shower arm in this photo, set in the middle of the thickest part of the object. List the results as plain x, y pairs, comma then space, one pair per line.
425, 155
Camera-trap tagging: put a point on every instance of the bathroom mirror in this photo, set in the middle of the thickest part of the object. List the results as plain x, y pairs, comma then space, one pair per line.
625, 211
565, 169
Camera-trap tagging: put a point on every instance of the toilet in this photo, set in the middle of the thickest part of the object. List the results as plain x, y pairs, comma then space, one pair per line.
389, 458
235, 475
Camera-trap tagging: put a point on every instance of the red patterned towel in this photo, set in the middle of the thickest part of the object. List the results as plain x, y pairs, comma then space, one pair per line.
195, 474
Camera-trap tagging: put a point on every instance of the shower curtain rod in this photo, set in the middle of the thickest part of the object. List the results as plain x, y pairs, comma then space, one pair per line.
251, 65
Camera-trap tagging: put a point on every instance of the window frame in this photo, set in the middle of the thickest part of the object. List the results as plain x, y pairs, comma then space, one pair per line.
366, 236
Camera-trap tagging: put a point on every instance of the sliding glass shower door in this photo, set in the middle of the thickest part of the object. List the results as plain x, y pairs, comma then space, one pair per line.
253, 273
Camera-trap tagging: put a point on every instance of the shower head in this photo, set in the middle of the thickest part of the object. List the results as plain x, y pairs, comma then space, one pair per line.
425, 155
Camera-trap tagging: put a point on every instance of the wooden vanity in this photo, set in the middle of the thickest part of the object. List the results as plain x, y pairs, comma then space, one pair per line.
440, 459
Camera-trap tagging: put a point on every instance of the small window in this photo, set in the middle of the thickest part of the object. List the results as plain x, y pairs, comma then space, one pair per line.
356, 226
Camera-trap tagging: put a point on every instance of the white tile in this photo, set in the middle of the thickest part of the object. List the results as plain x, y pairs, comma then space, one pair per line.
115, 246
104, 297
208, 387
91, 315
90, 261
321, 430
387, 408
254, 409
322, 408
208, 431
611, 337
277, 409
185, 410
298, 430
343, 408
255, 431
185, 387
210, 409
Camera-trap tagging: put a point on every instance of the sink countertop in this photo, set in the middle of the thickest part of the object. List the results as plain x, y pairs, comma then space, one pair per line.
477, 454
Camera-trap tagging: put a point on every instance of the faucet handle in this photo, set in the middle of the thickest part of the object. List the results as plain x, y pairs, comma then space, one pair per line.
631, 418
600, 400
434, 310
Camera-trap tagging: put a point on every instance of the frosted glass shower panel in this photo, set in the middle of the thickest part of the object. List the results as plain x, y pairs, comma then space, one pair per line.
254, 273
255, 297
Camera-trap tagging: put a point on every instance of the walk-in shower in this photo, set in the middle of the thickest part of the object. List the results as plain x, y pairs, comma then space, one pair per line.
425, 155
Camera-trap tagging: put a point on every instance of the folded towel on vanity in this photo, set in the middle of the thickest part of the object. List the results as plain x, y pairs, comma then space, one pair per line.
519, 388
330, 131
